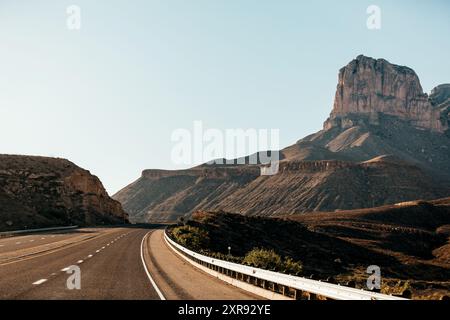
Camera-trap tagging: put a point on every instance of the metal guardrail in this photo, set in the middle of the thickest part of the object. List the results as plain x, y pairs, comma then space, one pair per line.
328, 290
7, 233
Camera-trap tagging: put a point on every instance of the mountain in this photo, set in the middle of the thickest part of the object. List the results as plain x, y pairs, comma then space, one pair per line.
368, 87
40, 192
386, 141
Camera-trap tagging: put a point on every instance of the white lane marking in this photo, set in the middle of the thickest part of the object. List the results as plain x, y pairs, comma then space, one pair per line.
1, 245
80, 261
108, 244
90, 256
31, 240
42, 238
53, 236
53, 274
65, 269
39, 282
18, 242
97, 251
161, 296
103, 247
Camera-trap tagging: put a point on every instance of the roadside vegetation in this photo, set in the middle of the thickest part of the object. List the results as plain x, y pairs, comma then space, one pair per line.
191, 237
197, 239
270, 260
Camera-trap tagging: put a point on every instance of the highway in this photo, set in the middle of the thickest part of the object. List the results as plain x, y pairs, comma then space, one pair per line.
115, 263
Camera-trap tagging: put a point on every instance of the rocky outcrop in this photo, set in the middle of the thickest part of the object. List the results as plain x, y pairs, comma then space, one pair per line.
440, 99
369, 87
42, 192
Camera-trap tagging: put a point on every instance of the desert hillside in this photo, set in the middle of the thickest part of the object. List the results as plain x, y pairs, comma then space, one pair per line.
407, 241
40, 192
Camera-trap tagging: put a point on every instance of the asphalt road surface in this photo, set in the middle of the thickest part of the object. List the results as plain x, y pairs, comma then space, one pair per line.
114, 263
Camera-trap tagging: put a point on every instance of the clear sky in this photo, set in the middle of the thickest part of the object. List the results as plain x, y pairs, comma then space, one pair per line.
108, 96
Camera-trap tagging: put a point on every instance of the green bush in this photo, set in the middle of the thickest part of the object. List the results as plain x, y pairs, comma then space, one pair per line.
191, 237
263, 258
292, 267
270, 260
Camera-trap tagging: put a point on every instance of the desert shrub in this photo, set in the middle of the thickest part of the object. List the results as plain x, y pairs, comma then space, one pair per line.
399, 288
263, 258
270, 260
191, 237
292, 267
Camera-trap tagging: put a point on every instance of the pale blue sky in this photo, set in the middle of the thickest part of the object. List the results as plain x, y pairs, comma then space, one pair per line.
109, 96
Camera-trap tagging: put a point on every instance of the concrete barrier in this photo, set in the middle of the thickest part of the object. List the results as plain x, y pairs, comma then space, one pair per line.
17, 232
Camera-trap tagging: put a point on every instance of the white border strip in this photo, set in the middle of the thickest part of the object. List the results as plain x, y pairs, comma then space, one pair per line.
161, 296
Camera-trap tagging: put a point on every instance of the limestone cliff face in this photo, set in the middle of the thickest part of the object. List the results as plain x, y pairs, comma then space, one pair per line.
368, 87
300, 186
206, 171
39, 192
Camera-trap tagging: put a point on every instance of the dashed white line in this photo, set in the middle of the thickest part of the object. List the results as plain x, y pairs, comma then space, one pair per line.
97, 251
65, 269
39, 282
90, 256
18, 242
80, 261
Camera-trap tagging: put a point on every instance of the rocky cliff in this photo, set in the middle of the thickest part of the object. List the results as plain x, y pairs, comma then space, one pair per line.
44, 192
386, 141
369, 87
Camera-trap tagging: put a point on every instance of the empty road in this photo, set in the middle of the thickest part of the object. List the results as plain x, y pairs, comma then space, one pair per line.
114, 263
